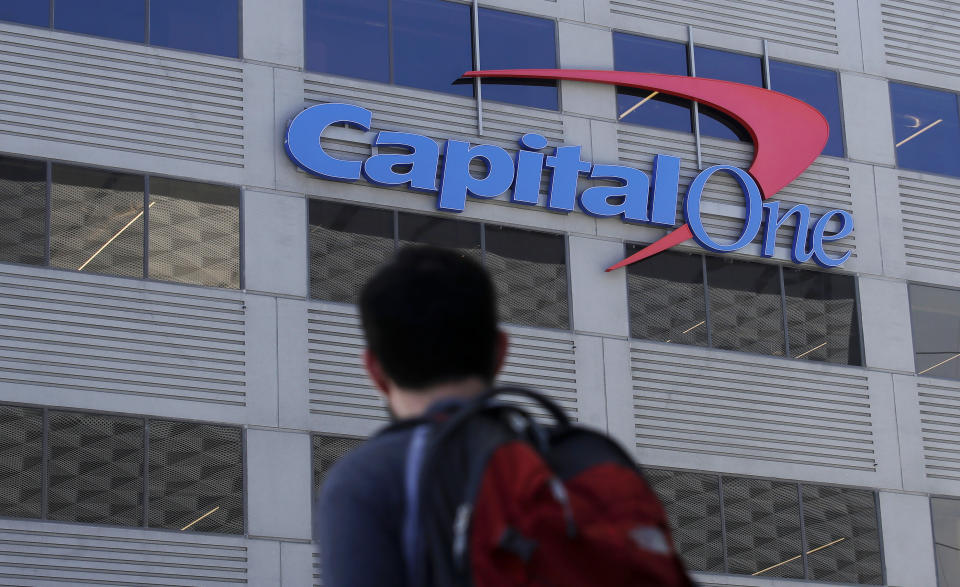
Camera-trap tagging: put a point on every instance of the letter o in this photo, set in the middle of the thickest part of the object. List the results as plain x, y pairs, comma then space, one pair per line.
754, 209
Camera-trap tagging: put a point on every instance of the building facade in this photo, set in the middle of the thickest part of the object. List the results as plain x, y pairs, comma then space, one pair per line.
179, 349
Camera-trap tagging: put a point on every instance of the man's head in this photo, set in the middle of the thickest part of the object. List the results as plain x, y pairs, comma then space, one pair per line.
430, 319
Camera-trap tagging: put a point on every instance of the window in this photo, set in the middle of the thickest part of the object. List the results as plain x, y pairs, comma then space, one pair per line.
633, 53
818, 87
769, 528
738, 305
210, 26
347, 244
935, 319
327, 450
87, 467
98, 221
946, 538
926, 129
733, 67
427, 44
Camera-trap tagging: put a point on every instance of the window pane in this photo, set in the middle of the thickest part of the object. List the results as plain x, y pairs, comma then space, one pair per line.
667, 298
441, 232
431, 45
692, 501
327, 450
732, 67
95, 469
818, 87
516, 41
926, 129
347, 245
946, 538
196, 477
843, 538
746, 310
209, 26
96, 220
763, 527
822, 316
348, 37
529, 271
23, 210
633, 53
194, 232
35, 12
21, 461
117, 19
935, 316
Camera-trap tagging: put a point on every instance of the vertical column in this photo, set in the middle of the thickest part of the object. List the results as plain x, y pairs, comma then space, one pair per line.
907, 540
866, 113
586, 47
273, 32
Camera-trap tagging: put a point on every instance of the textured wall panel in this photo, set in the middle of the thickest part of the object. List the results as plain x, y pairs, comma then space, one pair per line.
931, 222
87, 91
810, 24
922, 34
940, 427
107, 336
338, 384
736, 406
57, 554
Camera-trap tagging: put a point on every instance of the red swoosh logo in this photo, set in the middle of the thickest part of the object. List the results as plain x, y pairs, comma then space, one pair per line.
788, 133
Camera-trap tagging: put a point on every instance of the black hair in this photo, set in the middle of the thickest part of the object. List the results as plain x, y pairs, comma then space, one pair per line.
429, 316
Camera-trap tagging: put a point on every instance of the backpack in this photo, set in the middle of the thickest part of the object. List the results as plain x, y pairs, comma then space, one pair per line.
496, 499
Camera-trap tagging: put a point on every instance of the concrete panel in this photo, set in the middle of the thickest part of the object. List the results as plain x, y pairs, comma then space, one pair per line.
871, 36
599, 298
293, 364
586, 47
273, 31
909, 433
275, 243
867, 231
619, 391
907, 540
278, 484
889, 222
261, 138
591, 392
296, 564
866, 112
264, 562
885, 315
261, 353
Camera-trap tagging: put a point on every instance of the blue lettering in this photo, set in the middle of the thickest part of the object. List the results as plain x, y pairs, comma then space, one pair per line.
567, 167
458, 181
526, 188
303, 139
754, 209
818, 236
798, 252
422, 159
635, 191
666, 189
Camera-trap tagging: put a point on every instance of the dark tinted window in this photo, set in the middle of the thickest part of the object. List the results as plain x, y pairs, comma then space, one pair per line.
692, 501
733, 67
946, 538
842, 535
762, 520
516, 41
672, 306
35, 12
746, 309
23, 210
206, 26
441, 232
818, 87
926, 129
348, 37
125, 20
822, 316
431, 45
21, 461
935, 316
327, 450
633, 53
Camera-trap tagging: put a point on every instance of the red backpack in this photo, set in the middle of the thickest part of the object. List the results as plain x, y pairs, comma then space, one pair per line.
495, 499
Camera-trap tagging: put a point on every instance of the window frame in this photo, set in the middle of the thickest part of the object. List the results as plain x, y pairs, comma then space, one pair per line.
913, 344
893, 131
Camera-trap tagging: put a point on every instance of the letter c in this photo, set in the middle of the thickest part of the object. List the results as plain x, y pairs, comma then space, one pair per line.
303, 139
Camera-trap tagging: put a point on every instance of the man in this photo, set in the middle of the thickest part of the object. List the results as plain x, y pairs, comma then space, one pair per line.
429, 317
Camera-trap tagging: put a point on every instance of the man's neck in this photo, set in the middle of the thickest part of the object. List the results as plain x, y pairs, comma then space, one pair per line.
406, 403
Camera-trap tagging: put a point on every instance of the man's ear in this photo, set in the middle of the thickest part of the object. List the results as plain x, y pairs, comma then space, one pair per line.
500, 350
376, 373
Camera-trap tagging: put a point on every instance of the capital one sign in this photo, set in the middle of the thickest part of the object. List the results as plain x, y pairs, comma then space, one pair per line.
788, 134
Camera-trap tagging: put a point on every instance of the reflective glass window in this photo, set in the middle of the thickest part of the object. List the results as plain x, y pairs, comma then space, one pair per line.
348, 37
733, 67
431, 45
21, 461
125, 20
762, 521
946, 538
517, 41
194, 232
926, 129
935, 317
746, 308
207, 26
692, 502
96, 221
347, 244
633, 53
461, 235
818, 87
34, 12
822, 316
667, 301
326, 451
842, 535
529, 270
23, 210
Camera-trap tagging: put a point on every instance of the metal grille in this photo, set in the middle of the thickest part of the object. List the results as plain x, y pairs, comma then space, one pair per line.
23, 204
842, 537
194, 233
21, 462
195, 477
327, 450
762, 520
822, 316
746, 308
692, 501
667, 301
96, 221
530, 293
95, 469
